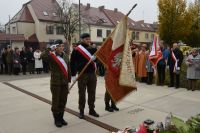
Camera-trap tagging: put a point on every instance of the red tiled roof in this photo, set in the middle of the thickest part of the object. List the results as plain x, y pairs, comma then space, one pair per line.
23, 15
12, 37
94, 16
48, 6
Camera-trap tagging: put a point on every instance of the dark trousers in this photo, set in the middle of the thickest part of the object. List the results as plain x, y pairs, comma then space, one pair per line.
101, 69
31, 67
38, 70
6, 68
87, 81
192, 84
161, 74
177, 76
10, 68
45, 66
1, 69
59, 98
24, 68
150, 78
108, 99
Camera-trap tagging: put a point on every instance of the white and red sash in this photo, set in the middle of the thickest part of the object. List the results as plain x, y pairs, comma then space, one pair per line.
61, 63
86, 54
175, 60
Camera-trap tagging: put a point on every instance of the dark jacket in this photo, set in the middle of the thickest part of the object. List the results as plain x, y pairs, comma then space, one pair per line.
179, 56
16, 61
78, 61
23, 57
57, 76
30, 57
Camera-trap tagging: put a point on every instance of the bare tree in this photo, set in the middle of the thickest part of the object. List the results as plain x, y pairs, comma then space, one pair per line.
69, 20
2, 28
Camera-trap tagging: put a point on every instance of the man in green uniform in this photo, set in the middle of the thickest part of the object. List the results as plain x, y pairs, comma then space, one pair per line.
60, 77
88, 81
107, 99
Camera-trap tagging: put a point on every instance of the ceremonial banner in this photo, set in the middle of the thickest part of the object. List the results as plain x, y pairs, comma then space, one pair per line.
115, 55
155, 54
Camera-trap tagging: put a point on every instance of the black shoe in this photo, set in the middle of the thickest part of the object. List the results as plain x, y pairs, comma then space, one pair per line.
114, 108
57, 121
64, 123
177, 87
93, 113
109, 109
81, 115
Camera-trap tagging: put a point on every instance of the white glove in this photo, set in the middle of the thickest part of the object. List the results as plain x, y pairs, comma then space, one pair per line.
73, 79
93, 58
178, 68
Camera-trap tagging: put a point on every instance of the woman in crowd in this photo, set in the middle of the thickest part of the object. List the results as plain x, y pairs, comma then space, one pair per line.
38, 61
193, 69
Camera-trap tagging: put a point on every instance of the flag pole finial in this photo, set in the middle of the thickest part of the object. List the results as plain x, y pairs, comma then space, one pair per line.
131, 10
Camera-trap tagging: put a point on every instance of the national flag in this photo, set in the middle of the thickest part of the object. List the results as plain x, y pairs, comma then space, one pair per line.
156, 53
115, 54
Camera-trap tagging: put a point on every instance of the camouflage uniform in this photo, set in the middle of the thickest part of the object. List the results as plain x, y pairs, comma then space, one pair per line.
58, 84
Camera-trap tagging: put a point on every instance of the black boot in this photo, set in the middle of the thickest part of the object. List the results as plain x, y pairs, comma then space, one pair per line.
108, 108
114, 107
93, 113
81, 115
62, 120
57, 121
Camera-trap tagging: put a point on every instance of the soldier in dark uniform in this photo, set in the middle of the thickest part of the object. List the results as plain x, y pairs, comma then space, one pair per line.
88, 80
59, 81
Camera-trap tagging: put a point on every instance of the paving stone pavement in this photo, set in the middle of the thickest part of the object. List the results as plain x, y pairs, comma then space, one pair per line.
21, 113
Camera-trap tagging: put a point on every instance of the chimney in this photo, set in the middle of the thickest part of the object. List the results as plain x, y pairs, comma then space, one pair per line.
88, 6
115, 10
101, 8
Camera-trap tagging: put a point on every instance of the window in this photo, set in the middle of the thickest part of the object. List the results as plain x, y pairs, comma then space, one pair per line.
146, 36
99, 33
13, 29
45, 13
54, 14
59, 30
133, 35
142, 25
137, 37
108, 33
49, 29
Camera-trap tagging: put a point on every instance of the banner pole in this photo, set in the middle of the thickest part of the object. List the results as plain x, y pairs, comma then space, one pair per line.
83, 70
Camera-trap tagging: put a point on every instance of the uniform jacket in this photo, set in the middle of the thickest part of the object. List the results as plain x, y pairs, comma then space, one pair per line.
193, 70
78, 61
57, 77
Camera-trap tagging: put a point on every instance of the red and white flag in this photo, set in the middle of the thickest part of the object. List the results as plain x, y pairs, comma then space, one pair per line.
156, 54
115, 54
175, 60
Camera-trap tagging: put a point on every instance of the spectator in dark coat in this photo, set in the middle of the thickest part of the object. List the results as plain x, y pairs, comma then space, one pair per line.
175, 61
31, 61
23, 58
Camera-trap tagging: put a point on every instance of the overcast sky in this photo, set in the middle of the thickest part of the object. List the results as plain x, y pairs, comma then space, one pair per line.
146, 9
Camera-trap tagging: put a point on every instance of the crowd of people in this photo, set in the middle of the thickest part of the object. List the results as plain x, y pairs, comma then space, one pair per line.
14, 61
172, 59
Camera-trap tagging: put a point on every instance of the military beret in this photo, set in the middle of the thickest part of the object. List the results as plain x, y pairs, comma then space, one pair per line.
84, 35
58, 42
